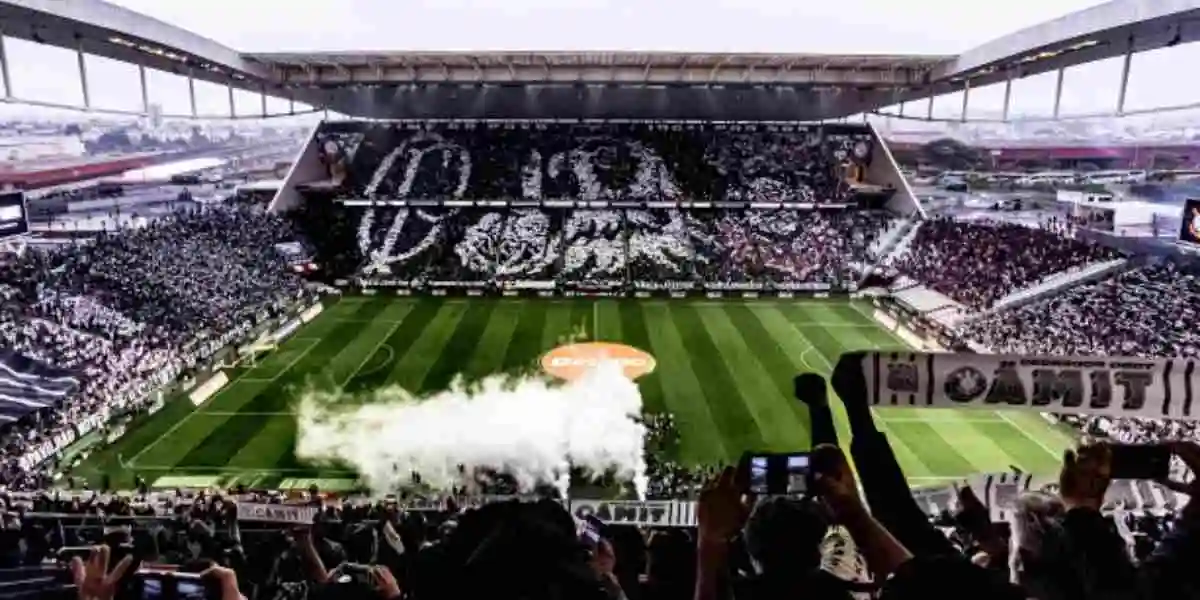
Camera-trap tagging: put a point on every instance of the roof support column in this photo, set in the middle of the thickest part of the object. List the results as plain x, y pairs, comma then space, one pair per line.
192, 92
145, 90
902, 109
929, 108
232, 112
966, 99
8, 90
262, 97
1007, 96
1058, 92
291, 106
83, 80
1124, 87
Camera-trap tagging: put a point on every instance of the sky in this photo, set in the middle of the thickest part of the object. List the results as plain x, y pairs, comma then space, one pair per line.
846, 26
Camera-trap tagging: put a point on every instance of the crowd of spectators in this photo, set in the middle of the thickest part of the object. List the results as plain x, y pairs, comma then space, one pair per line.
137, 308
751, 163
1145, 311
131, 311
644, 248
979, 262
859, 533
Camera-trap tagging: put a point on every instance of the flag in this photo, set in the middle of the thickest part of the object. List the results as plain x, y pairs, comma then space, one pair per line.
27, 385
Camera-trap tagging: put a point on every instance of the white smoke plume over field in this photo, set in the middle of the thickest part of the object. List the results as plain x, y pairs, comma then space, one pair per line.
531, 428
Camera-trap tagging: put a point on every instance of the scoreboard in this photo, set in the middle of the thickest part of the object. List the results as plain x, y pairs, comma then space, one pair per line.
13, 218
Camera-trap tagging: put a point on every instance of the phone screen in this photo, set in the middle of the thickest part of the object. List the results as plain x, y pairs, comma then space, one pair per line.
759, 474
589, 532
152, 588
797, 474
190, 589
779, 474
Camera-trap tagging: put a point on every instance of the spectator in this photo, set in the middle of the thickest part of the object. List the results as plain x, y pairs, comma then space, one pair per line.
978, 263
133, 311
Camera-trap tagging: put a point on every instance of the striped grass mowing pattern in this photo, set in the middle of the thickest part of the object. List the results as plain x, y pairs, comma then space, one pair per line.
724, 369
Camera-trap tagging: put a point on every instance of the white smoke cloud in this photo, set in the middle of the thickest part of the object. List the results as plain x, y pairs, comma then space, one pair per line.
531, 428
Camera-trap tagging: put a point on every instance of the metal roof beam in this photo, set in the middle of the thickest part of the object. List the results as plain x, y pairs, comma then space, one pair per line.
712, 75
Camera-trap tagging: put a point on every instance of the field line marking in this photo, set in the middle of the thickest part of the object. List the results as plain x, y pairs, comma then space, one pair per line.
936, 420
857, 308
352, 374
877, 325
188, 417
235, 413
378, 345
382, 365
823, 324
1024, 432
880, 422
203, 471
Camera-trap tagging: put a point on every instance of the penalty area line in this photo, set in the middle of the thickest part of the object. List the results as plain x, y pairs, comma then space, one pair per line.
132, 462
202, 471
221, 413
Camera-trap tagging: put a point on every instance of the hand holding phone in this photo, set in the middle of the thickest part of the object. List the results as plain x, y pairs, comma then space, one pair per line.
1141, 461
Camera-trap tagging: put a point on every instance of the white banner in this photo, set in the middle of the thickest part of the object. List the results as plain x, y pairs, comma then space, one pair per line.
209, 388
311, 312
652, 513
276, 513
1114, 386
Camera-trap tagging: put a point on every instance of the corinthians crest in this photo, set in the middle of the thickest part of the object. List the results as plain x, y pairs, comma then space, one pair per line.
965, 384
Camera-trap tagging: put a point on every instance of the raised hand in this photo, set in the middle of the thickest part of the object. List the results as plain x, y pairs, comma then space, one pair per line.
722, 509
1085, 476
1189, 453
92, 579
835, 481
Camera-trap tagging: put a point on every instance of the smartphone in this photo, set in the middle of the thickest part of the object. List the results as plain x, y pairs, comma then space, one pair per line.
778, 474
171, 585
66, 553
590, 532
1140, 461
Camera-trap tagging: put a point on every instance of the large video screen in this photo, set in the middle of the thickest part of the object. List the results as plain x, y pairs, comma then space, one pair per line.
1189, 229
12, 214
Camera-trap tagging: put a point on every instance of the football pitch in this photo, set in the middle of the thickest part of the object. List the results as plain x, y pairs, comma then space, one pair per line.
724, 368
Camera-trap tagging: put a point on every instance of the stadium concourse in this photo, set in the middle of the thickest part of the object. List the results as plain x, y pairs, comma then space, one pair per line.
721, 260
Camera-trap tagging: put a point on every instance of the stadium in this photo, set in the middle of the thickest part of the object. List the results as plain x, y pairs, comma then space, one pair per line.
509, 307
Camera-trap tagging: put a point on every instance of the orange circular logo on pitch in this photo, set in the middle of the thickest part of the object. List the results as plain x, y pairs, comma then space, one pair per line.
573, 360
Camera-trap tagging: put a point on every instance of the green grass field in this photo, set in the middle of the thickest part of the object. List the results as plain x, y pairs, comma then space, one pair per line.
724, 368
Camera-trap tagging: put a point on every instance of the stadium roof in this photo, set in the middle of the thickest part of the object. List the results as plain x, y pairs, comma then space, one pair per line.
319, 68
422, 85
